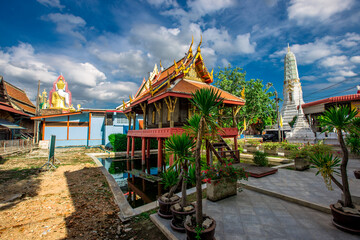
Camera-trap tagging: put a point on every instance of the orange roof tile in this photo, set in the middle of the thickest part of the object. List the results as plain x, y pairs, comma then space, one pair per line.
25, 107
17, 94
188, 87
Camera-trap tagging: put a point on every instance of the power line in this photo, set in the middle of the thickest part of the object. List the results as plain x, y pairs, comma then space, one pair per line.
318, 98
319, 90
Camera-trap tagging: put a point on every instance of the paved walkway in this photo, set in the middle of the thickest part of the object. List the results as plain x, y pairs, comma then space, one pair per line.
306, 185
253, 215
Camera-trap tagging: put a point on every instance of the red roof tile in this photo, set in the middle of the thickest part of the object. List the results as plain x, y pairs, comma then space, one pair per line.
188, 86
346, 98
17, 94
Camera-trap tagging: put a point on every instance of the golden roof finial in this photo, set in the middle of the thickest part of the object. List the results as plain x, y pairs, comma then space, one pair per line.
190, 48
288, 47
160, 65
243, 93
198, 48
124, 104
130, 98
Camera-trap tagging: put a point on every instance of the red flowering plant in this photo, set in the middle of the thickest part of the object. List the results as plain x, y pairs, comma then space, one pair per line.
223, 170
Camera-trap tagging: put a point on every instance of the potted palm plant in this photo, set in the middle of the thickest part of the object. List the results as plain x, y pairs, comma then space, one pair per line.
207, 101
181, 146
339, 119
221, 180
171, 180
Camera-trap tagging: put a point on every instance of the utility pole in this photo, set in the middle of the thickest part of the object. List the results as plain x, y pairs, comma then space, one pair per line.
278, 115
36, 123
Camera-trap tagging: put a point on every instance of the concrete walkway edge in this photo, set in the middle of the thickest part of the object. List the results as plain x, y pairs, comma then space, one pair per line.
126, 211
299, 201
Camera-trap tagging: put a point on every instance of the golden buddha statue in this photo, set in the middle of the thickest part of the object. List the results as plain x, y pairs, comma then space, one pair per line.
60, 98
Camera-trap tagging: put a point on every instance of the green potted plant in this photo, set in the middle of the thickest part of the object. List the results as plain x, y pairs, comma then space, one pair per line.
171, 180
181, 146
339, 119
301, 156
221, 180
207, 102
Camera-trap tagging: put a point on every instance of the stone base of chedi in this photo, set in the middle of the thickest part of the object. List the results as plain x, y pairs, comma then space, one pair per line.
301, 133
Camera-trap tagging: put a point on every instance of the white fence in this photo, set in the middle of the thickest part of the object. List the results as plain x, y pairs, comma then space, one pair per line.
10, 146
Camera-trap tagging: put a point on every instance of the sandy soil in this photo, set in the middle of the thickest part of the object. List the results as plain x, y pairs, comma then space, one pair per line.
71, 202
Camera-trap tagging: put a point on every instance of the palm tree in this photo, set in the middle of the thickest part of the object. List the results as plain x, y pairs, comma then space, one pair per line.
181, 146
206, 101
341, 119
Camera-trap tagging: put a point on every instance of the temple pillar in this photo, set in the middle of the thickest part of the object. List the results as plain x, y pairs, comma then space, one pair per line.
171, 159
143, 151
128, 147
236, 147
134, 119
159, 162
132, 147
143, 107
207, 153
159, 111
148, 148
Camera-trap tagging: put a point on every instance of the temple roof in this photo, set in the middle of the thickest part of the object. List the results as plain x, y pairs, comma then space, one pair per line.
346, 98
17, 98
181, 79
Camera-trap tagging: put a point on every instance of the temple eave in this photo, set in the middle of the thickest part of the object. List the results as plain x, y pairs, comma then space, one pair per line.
167, 132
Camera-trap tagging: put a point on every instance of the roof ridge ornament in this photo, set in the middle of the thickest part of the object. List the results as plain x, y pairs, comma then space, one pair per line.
198, 48
288, 49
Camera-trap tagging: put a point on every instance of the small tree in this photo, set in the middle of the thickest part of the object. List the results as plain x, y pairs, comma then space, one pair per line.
260, 105
181, 146
206, 101
339, 119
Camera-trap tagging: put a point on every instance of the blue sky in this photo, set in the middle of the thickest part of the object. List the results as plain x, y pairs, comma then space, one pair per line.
105, 48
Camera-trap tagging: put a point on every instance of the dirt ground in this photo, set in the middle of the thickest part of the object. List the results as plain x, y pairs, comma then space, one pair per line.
71, 202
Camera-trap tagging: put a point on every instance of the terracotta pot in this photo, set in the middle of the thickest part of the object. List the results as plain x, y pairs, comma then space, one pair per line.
164, 208
220, 189
207, 234
301, 164
177, 223
357, 174
345, 221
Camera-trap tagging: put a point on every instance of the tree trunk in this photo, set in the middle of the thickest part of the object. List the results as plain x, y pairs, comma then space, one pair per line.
343, 166
183, 192
199, 214
172, 190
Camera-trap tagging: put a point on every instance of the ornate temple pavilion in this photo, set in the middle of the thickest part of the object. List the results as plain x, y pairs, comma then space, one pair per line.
163, 101
15, 112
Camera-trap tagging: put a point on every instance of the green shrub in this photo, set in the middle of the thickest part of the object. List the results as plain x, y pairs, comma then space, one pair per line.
271, 145
353, 141
253, 142
169, 178
260, 159
289, 146
119, 141
306, 151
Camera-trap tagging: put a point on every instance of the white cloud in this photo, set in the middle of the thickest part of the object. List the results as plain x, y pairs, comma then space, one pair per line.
310, 52
308, 78
355, 59
132, 62
22, 66
335, 61
350, 40
222, 42
271, 3
51, 3
304, 10
113, 91
203, 7
67, 24
162, 3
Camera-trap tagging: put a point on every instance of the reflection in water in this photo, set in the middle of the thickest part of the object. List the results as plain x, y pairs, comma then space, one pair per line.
137, 189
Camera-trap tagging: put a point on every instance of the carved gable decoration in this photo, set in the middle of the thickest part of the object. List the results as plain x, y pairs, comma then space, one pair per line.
193, 74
